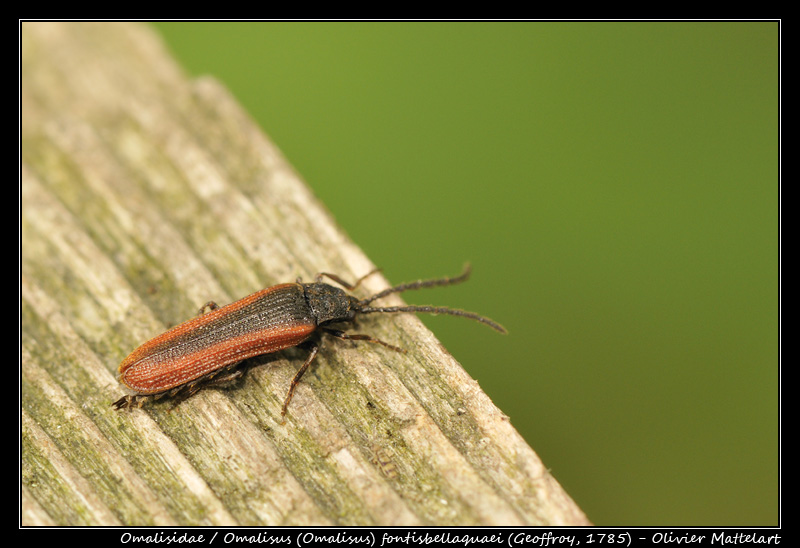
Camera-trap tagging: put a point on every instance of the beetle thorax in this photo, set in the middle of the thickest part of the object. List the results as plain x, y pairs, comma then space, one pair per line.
329, 304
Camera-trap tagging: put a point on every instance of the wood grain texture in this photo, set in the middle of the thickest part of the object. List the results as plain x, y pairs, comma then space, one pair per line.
145, 194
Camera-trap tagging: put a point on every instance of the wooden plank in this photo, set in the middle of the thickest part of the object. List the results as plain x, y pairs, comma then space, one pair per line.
145, 194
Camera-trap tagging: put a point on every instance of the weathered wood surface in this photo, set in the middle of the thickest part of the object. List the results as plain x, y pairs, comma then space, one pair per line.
145, 194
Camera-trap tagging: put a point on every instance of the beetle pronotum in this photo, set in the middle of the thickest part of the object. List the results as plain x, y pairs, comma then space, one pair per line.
208, 348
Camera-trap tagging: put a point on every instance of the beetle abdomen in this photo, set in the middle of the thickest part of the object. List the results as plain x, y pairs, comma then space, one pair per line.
267, 321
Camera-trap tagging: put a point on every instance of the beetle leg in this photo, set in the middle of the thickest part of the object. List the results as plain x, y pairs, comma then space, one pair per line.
359, 337
314, 350
225, 376
343, 283
208, 307
128, 401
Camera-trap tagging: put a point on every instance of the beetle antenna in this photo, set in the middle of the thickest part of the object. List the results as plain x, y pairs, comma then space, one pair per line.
436, 310
419, 284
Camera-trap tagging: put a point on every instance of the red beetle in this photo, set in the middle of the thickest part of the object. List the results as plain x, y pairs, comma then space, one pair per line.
209, 347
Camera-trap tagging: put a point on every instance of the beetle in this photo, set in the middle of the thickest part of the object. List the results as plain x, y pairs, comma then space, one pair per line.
209, 348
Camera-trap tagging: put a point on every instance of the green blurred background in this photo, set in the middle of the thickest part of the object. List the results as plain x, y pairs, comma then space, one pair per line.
615, 186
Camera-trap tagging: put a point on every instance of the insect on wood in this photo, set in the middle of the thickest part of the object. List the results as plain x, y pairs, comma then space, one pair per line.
209, 348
